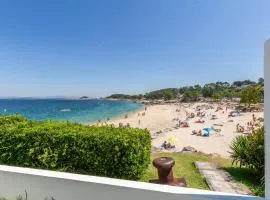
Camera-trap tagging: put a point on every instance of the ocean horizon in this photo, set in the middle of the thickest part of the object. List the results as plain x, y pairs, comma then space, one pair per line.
73, 110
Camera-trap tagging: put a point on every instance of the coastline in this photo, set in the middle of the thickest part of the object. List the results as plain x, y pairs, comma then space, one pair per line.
118, 117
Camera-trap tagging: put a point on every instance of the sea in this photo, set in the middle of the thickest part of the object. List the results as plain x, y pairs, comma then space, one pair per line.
81, 111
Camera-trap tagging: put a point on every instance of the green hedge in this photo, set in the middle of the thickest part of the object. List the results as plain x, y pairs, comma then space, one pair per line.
70, 147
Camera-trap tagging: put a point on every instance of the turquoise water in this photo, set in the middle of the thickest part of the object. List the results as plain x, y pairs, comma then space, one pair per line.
82, 111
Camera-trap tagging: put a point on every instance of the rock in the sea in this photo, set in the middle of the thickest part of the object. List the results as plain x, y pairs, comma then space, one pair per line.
189, 149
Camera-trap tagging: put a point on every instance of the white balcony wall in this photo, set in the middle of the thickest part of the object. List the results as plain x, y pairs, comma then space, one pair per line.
65, 186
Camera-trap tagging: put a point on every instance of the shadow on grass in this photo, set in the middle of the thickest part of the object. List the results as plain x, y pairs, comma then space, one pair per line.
245, 176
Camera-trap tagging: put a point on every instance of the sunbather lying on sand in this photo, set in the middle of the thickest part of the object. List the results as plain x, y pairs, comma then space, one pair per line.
192, 115
200, 114
194, 132
216, 129
239, 128
167, 145
200, 133
183, 124
199, 121
214, 117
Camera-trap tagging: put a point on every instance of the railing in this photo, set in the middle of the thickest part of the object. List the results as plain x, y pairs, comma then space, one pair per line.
42, 184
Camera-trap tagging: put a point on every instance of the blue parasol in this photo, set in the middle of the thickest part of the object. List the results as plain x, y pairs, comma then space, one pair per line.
208, 130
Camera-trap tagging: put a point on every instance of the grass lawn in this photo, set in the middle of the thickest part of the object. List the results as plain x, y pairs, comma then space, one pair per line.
184, 167
246, 177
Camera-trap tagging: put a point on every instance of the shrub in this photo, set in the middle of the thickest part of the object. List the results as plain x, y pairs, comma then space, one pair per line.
249, 151
70, 147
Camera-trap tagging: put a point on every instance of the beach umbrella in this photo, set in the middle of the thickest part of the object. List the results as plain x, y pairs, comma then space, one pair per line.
172, 139
208, 130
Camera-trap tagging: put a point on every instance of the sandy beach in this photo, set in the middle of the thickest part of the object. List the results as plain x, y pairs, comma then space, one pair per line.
163, 120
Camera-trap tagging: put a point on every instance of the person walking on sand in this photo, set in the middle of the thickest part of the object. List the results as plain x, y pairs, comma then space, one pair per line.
139, 122
253, 117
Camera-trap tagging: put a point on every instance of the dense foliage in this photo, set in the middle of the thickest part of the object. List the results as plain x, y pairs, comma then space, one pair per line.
191, 95
102, 151
251, 95
249, 151
124, 96
216, 91
167, 94
244, 83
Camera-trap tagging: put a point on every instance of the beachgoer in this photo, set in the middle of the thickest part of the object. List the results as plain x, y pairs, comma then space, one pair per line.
253, 117
199, 121
164, 145
185, 125
199, 133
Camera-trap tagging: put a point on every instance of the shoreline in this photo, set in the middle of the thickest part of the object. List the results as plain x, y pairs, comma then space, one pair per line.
118, 117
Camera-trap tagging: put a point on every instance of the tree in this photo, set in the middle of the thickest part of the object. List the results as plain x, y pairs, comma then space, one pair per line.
168, 95
197, 87
218, 95
251, 95
183, 89
261, 81
207, 91
241, 83
191, 95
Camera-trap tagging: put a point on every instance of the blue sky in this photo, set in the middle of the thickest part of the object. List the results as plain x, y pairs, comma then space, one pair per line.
95, 48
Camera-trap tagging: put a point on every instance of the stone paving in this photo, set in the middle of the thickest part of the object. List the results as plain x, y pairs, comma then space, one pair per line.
220, 180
